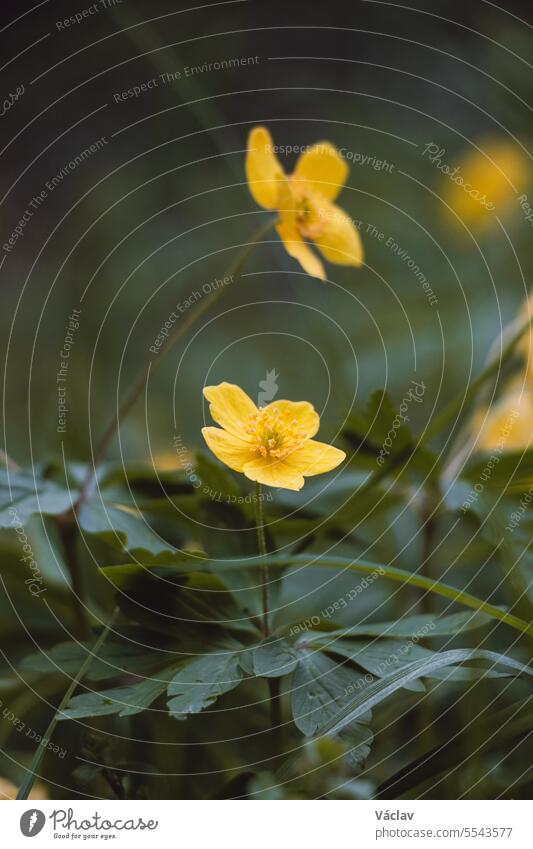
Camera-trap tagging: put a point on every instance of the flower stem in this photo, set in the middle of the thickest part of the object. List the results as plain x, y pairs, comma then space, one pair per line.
261, 541
68, 531
92, 653
181, 328
273, 683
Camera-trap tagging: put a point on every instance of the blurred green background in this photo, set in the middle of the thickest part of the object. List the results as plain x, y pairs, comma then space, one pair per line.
160, 209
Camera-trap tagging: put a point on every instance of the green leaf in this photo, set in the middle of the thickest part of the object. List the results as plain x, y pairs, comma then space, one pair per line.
400, 576
319, 690
379, 657
371, 428
273, 658
115, 658
342, 506
124, 701
380, 690
22, 495
358, 739
383, 657
199, 684
215, 481
122, 527
167, 599
165, 564
422, 626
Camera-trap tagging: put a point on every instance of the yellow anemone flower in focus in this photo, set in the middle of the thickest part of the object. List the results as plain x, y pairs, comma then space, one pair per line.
304, 202
271, 445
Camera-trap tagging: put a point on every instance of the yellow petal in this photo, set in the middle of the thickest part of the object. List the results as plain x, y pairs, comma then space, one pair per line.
304, 413
323, 168
230, 407
232, 451
314, 458
299, 250
340, 241
263, 170
273, 473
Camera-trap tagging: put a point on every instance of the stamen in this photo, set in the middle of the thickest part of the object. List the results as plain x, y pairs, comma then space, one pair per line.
309, 220
274, 434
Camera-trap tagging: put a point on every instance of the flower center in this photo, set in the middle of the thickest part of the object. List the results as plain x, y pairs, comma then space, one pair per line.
274, 434
309, 221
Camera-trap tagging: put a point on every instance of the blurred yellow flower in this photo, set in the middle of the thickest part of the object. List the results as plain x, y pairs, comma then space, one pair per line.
508, 424
173, 461
303, 201
8, 790
486, 181
271, 445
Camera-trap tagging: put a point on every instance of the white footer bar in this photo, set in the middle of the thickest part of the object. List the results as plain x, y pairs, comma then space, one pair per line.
264, 825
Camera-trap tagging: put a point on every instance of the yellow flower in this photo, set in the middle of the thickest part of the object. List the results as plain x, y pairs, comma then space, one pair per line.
271, 445
304, 202
484, 186
508, 424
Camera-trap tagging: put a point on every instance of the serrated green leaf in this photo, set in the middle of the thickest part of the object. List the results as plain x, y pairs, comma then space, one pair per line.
319, 689
199, 684
124, 701
115, 658
273, 658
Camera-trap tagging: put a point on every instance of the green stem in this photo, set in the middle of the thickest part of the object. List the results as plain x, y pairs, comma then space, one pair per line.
27, 784
273, 683
314, 560
261, 542
68, 532
180, 329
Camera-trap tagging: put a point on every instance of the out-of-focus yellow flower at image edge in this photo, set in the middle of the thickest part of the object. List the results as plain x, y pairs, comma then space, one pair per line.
487, 182
508, 424
272, 445
304, 202
8, 790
